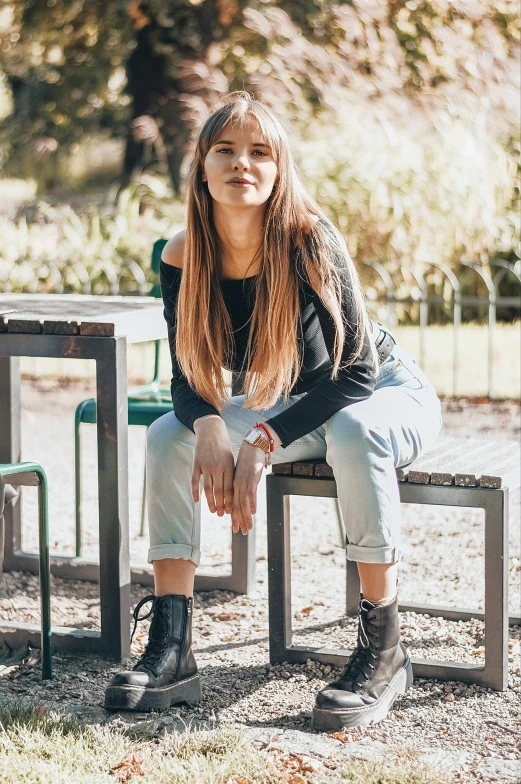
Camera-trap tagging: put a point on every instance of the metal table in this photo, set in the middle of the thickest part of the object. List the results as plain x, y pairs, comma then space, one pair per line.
96, 328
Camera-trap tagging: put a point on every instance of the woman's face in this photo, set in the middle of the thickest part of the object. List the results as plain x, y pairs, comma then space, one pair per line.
240, 153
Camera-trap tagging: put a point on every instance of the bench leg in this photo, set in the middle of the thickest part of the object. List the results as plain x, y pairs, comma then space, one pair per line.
496, 589
352, 589
279, 571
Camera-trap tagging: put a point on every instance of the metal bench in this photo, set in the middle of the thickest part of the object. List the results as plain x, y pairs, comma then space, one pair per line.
457, 472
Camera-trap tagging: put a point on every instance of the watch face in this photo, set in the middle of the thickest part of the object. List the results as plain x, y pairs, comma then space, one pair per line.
254, 437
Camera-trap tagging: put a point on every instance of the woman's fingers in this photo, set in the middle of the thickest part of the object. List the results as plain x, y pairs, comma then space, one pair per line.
208, 491
252, 498
218, 491
228, 490
238, 521
244, 501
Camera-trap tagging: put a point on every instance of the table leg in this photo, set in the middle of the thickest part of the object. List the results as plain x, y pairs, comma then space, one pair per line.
11, 447
112, 429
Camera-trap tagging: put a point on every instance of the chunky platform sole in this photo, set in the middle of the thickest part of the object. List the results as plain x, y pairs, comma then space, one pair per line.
343, 718
139, 698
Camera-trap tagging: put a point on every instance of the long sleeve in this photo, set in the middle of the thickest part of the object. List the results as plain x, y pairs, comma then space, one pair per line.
188, 405
352, 385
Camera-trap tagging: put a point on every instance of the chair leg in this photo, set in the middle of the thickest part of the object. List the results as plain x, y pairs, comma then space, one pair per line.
45, 575
78, 416
144, 498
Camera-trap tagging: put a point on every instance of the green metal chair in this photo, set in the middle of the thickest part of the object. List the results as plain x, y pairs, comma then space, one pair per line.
32, 474
145, 404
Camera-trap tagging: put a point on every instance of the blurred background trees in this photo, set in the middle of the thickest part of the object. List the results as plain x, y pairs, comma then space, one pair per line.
404, 113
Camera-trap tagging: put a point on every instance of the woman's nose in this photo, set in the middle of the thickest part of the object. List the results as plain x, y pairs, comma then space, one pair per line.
242, 162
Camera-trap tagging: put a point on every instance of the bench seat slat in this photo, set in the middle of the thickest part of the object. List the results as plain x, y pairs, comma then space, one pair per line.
501, 459
461, 461
442, 448
445, 465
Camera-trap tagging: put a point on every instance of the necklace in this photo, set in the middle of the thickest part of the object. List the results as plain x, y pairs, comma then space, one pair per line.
241, 276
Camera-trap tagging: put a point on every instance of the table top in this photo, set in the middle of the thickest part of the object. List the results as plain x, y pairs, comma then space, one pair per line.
136, 318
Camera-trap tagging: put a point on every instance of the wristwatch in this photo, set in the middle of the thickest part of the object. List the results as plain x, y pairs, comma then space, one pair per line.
257, 437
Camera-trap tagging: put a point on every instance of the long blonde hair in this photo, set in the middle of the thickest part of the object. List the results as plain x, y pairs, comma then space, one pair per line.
295, 244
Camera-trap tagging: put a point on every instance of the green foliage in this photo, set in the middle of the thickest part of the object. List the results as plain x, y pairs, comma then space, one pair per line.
300, 56
410, 188
104, 249
406, 115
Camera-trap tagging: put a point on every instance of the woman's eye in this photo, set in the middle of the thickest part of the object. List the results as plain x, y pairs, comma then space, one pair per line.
228, 149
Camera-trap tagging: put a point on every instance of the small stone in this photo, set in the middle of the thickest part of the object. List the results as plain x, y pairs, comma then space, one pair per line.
449, 697
285, 674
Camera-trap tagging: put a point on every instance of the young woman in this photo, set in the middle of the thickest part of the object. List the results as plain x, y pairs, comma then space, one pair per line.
261, 282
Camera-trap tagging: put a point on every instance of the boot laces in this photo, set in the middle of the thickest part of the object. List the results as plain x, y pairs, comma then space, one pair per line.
157, 645
362, 660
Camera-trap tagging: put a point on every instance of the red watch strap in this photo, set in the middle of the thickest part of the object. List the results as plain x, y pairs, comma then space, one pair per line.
270, 437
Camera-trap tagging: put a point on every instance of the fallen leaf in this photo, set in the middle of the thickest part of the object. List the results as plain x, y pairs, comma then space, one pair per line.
298, 778
478, 651
132, 766
307, 610
228, 616
309, 764
343, 736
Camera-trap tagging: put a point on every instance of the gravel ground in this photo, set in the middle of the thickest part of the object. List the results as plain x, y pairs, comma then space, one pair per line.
472, 730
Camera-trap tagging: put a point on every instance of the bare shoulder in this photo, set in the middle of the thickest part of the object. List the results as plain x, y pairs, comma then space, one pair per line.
173, 251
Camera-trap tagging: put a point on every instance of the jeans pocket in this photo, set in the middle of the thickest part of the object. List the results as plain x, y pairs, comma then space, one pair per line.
398, 373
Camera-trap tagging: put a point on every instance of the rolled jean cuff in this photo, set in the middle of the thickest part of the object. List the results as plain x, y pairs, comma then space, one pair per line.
186, 551
373, 554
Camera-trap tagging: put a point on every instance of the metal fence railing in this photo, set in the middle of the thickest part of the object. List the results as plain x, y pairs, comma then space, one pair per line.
129, 278
456, 301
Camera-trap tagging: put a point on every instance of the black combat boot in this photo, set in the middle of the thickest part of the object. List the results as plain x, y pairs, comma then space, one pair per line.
378, 670
166, 673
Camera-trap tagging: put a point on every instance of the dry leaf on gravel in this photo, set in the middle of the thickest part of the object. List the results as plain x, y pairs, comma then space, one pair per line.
343, 736
308, 764
132, 766
307, 610
228, 616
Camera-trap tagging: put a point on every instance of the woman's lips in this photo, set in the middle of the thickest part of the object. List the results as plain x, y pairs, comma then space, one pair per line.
240, 184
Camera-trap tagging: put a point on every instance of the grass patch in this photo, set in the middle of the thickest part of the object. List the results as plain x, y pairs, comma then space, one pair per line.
44, 747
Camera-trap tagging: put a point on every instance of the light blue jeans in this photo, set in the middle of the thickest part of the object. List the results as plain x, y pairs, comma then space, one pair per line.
363, 443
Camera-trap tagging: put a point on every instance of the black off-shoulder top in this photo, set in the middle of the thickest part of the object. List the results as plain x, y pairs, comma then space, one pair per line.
324, 396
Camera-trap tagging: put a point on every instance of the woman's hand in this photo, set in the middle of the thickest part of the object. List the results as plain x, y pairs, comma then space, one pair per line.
213, 460
248, 472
